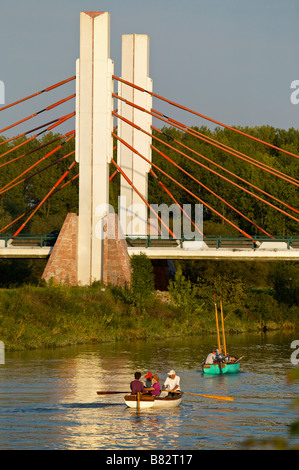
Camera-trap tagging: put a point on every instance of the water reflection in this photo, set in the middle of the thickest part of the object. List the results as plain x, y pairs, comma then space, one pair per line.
49, 400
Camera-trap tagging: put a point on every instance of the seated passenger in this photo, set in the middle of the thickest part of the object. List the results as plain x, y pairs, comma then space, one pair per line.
155, 389
149, 377
136, 385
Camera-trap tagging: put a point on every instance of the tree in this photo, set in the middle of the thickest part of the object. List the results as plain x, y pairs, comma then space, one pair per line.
142, 281
286, 283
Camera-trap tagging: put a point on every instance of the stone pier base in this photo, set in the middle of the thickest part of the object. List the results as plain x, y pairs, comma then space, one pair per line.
117, 268
62, 265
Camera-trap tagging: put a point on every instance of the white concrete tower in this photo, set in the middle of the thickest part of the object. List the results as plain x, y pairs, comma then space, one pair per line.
94, 143
134, 69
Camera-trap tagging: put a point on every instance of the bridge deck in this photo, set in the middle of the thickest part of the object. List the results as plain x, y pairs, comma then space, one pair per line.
241, 254
217, 248
25, 252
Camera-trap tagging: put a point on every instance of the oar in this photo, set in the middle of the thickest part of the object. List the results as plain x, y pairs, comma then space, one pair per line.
110, 393
218, 397
238, 360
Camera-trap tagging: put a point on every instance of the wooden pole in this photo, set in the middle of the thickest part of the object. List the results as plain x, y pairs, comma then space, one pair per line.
138, 400
223, 333
217, 326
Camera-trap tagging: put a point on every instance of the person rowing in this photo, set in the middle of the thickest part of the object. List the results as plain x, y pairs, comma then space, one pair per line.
212, 357
172, 383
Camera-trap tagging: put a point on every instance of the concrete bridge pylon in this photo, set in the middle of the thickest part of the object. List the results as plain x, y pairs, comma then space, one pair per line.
134, 69
94, 142
100, 256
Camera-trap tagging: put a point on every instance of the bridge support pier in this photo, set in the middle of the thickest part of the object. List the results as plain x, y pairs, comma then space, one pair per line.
134, 69
94, 143
62, 264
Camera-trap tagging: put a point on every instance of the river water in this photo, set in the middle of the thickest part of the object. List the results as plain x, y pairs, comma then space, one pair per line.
48, 398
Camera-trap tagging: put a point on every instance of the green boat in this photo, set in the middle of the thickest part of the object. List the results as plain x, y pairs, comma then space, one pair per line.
223, 363
221, 368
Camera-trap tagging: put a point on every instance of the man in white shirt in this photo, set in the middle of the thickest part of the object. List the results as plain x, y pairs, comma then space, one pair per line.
212, 357
172, 383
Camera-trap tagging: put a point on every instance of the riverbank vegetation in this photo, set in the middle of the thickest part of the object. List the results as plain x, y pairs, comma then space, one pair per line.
52, 315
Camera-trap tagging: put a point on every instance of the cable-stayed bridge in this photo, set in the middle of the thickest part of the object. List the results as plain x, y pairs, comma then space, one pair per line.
114, 129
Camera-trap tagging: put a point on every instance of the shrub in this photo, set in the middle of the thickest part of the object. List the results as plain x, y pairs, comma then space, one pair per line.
142, 281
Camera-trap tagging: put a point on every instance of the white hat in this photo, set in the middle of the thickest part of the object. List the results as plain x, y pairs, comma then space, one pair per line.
171, 372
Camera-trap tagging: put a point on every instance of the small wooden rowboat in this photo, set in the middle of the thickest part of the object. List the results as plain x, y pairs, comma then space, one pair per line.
149, 401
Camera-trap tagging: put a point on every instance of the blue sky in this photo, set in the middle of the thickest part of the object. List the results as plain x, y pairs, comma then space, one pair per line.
232, 60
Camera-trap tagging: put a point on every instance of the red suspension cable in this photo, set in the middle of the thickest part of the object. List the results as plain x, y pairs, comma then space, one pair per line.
71, 136
38, 93
226, 148
143, 199
38, 112
175, 201
212, 192
32, 208
37, 172
209, 169
181, 186
28, 132
45, 198
184, 128
224, 169
113, 174
36, 149
56, 124
203, 116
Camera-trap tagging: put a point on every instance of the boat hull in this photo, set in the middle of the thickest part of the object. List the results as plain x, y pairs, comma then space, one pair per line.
215, 369
148, 401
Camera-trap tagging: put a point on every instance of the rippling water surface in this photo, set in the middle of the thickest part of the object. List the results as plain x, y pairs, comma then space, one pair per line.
48, 398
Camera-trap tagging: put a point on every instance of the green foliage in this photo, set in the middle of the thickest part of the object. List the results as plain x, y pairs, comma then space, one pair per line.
286, 283
262, 214
142, 281
231, 290
246, 289
37, 184
184, 293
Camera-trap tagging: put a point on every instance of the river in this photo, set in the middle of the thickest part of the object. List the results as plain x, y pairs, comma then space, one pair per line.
49, 399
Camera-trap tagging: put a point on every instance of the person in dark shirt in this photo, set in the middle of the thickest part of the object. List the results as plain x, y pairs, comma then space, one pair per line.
136, 385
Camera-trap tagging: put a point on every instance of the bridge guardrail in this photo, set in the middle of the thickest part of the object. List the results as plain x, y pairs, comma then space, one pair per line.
40, 240
147, 241
211, 241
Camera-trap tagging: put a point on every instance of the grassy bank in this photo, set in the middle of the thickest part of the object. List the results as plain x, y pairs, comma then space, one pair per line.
52, 316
